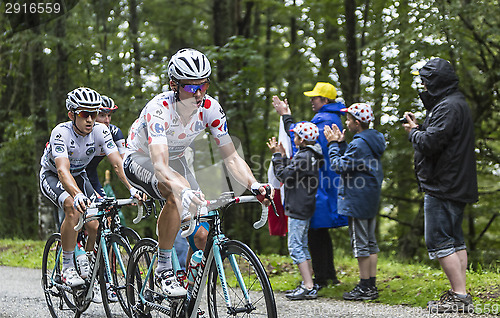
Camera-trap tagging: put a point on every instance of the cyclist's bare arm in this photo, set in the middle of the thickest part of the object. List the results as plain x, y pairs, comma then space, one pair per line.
116, 161
239, 169
67, 180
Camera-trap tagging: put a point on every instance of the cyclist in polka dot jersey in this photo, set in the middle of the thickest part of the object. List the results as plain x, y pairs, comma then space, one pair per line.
160, 123
155, 163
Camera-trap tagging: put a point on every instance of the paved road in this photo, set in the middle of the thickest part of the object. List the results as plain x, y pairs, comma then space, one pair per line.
21, 296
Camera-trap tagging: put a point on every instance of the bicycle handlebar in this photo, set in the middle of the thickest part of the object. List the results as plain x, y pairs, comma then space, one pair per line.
226, 199
83, 218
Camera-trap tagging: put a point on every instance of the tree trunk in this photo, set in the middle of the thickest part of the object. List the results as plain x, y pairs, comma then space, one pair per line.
134, 35
351, 90
38, 98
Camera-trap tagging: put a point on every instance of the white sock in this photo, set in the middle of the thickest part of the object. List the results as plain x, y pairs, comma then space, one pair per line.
164, 260
68, 259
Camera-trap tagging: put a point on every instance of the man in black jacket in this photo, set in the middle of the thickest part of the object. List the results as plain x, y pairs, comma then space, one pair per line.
445, 167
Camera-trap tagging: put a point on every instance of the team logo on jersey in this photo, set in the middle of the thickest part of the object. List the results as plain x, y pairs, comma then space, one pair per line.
90, 151
159, 128
110, 145
59, 149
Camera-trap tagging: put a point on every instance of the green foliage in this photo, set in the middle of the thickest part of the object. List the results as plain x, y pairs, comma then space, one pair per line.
259, 49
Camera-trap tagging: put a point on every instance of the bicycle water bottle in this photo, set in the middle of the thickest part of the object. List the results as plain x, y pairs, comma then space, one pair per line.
194, 265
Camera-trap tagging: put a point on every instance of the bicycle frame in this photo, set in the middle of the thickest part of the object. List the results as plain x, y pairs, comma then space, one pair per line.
211, 252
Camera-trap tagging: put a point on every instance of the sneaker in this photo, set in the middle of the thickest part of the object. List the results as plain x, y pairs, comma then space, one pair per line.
361, 293
71, 278
449, 302
169, 285
302, 293
83, 265
112, 297
373, 291
291, 291
96, 293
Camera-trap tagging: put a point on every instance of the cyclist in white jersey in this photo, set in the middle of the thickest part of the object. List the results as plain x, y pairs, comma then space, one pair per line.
154, 161
63, 178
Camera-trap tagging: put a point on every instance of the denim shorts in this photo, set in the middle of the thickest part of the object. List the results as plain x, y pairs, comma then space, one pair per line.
443, 226
363, 239
297, 240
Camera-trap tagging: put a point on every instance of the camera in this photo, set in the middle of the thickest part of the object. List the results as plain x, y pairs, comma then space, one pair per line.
403, 120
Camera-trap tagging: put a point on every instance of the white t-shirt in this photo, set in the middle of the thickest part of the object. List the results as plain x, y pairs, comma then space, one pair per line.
159, 123
65, 142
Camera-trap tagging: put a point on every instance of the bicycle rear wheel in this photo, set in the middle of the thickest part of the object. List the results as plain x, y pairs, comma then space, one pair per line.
260, 302
59, 301
114, 298
137, 270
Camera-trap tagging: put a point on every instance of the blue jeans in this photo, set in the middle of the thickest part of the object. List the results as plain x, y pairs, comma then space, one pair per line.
443, 226
297, 240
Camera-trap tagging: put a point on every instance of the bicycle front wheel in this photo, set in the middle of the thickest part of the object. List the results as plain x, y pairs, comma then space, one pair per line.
140, 280
59, 300
249, 290
114, 298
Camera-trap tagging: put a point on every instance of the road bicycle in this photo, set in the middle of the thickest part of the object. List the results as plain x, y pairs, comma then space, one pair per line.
237, 283
109, 259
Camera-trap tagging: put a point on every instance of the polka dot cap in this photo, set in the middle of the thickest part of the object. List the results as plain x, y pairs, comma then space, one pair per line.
307, 131
361, 111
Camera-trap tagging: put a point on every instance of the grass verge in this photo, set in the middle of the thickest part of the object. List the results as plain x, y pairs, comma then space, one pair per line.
399, 283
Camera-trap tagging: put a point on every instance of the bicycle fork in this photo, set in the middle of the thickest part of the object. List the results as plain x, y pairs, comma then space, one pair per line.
222, 275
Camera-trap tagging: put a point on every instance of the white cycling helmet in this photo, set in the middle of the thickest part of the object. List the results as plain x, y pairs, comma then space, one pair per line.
83, 97
188, 64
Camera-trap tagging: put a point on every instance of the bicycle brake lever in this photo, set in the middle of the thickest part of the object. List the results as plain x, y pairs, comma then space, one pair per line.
268, 196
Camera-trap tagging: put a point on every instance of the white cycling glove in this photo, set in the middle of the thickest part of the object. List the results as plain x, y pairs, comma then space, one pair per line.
187, 196
133, 191
254, 188
79, 199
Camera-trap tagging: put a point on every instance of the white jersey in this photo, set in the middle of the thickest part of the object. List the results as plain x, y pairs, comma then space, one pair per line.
159, 123
65, 142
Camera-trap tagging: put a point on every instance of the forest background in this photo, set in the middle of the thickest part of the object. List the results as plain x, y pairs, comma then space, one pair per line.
367, 49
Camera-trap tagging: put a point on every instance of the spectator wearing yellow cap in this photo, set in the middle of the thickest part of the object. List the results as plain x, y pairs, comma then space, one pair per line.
327, 109
360, 166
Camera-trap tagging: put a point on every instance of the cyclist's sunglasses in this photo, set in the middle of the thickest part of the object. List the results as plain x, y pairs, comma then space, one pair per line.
194, 88
85, 114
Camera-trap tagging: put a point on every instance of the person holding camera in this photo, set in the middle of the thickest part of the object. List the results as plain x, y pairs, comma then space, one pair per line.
445, 167
360, 167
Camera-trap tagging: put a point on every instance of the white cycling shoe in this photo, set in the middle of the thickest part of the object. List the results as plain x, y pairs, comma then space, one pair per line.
169, 285
83, 265
71, 278
96, 293
112, 297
